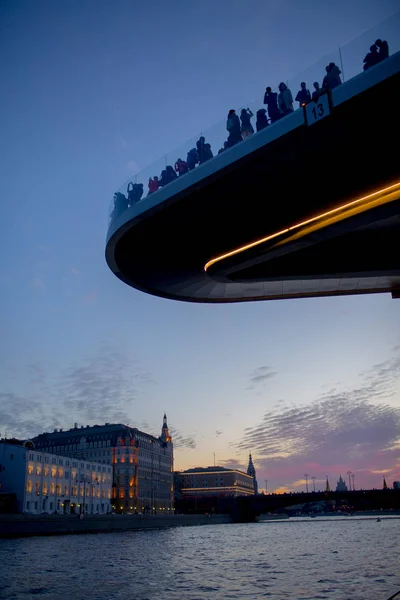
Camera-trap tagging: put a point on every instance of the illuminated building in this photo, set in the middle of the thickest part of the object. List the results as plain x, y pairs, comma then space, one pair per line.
142, 464
45, 483
302, 208
214, 481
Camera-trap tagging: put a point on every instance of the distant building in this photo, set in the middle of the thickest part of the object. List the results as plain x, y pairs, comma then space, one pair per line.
44, 483
396, 485
142, 464
341, 485
252, 472
213, 481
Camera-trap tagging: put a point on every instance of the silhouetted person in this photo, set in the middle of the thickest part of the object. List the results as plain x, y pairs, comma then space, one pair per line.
372, 58
332, 77
203, 150
120, 205
200, 149
170, 174
262, 121
153, 184
233, 126
192, 159
317, 91
246, 128
163, 178
224, 147
271, 100
181, 167
383, 49
135, 193
208, 151
131, 193
303, 95
285, 99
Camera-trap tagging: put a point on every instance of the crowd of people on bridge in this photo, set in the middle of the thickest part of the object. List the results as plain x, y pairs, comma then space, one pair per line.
278, 105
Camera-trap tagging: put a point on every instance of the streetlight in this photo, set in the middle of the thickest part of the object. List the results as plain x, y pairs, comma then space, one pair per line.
353, 478
306, 476
313, 482
349, 476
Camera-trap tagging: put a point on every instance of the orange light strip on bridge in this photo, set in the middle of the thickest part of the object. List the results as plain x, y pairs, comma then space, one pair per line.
375, 197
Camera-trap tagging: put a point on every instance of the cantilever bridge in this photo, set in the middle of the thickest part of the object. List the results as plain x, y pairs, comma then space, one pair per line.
303, 208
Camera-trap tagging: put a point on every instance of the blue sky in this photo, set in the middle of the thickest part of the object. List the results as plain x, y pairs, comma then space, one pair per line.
92, 92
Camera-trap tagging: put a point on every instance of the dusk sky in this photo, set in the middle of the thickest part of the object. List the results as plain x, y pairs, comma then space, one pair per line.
94, 91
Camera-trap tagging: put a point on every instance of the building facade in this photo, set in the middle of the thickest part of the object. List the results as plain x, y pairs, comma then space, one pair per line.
213, 481
142, 464
45, 483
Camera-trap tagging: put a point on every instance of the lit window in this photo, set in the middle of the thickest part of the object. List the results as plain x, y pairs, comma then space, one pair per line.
30, 469
38, 470
29, 486
52, 488
44, 487
53, 472
66, 490
46, 471
37, 487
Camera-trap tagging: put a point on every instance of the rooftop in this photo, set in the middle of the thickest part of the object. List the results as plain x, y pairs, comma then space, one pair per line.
105, 431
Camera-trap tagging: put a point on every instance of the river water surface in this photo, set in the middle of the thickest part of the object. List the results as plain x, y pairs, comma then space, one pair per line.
334, 559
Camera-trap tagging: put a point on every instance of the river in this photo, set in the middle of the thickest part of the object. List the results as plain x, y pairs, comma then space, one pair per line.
333, 559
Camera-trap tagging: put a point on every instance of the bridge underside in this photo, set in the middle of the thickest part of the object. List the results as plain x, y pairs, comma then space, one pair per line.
306, 172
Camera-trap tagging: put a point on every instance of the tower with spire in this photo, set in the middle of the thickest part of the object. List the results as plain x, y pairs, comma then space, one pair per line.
341, 485
252, 472
165, 434
327, 486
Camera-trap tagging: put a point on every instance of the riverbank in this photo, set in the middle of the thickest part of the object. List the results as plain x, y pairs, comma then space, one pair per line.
12, 526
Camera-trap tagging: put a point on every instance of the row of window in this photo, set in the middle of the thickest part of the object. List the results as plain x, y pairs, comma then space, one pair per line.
54, 460
58, 489
54, 472
51, 447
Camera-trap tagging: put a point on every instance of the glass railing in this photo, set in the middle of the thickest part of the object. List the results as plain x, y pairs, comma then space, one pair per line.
208, 143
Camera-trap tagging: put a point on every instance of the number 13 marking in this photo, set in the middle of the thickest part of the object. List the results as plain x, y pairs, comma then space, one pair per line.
318, 111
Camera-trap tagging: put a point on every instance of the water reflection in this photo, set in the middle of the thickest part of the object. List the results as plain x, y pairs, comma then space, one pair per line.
331, 559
